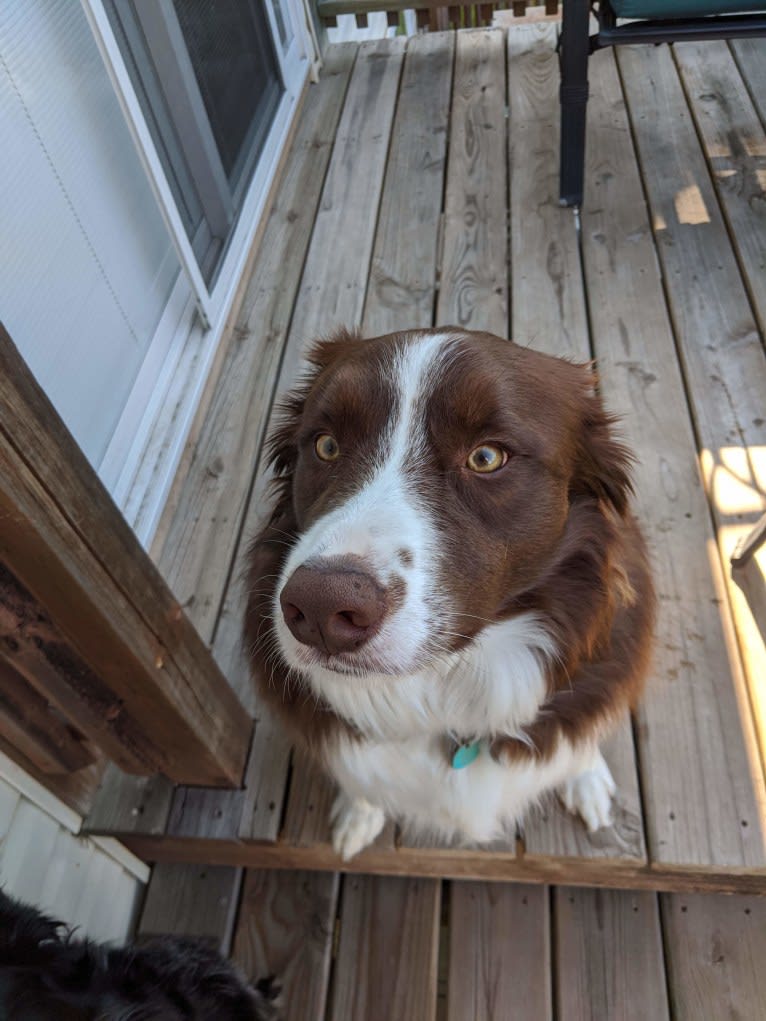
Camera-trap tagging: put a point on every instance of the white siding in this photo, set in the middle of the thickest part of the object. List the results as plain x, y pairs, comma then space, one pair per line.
9, 799
95, 886
86, 264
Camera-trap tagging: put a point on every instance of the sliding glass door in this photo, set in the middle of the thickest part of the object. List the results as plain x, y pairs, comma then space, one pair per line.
209, 75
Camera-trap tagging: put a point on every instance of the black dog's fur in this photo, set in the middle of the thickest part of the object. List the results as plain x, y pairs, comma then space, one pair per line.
48, 975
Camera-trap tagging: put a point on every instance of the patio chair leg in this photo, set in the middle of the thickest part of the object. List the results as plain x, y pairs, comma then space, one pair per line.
573, 95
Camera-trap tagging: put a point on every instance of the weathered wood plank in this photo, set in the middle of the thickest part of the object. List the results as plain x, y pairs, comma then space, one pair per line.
68, 544
265, 780
285, 928
750, 55
197, 537
130, 804
492, 864
29, 723
474, 281
75, 790
334, 282
205, 812
552, 831
549, 314
387, 955
548, 300
722, 355
715, 949
735, 143
38, 650
192, 900
701, 778
307, 820
403, 272
499, 953
609, 956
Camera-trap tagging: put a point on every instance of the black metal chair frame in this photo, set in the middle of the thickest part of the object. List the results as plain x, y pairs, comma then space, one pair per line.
577, 45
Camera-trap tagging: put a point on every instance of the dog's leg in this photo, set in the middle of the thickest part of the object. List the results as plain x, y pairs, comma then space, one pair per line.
589, 793
355, 824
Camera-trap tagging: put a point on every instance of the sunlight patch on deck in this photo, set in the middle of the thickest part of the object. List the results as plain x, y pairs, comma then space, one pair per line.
690, 206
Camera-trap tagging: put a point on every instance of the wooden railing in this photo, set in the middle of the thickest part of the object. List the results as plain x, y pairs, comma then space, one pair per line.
95, 650
433, 14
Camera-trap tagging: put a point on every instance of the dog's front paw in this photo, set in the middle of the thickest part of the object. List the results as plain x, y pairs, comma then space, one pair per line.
356, 823
589, 795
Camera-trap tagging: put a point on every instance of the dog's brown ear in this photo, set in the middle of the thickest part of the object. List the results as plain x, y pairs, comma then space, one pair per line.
603, 463
333, 347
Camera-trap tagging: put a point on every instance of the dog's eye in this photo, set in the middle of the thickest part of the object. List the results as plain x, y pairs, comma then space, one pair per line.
326, 447
487, 458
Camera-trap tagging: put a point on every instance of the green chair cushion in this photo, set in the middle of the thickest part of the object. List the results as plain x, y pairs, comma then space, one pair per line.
683, 8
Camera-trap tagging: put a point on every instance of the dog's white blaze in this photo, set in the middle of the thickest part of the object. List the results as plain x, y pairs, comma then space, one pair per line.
379, 519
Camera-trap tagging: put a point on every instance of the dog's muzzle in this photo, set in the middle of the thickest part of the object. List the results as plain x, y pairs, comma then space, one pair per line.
333, 604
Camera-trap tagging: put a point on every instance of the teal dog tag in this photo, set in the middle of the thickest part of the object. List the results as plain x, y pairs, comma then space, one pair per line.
464, 755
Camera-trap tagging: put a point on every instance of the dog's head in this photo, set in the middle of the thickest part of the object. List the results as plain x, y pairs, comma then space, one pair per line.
427, 479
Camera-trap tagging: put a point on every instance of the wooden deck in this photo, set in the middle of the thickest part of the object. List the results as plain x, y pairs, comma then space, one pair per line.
391, 213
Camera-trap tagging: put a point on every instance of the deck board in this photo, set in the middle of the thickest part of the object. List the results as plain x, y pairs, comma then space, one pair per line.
404, 262
386, 964
345, 222
627, 291
285, 928
735, 145
609, 957
551, 832
715, 948
548, 298
499, 953
474, 280
750, 55
192, 900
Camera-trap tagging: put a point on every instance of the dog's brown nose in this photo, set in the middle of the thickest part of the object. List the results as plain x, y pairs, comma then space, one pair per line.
335, 608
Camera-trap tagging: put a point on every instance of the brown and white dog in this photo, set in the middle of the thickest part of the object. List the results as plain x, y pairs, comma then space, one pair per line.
451, 604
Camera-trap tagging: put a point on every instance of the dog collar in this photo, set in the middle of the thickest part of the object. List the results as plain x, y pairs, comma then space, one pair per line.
464, 753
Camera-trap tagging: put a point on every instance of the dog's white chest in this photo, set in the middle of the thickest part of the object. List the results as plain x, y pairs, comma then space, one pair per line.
416, 784
404, 763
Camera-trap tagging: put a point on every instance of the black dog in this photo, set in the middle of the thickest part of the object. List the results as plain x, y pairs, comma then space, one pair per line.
46, 973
